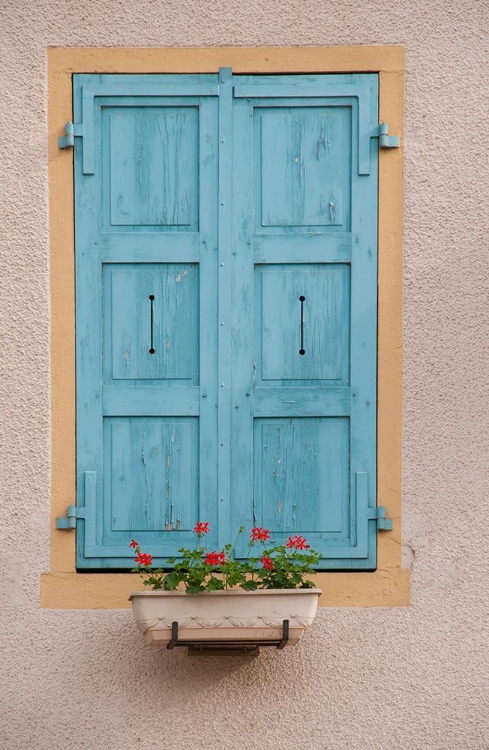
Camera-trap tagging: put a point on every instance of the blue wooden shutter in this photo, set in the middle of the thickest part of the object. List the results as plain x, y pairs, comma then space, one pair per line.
305, 269
146, 232
226, 263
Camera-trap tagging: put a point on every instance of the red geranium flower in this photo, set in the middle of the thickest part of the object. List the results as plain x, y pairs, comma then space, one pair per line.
259, 535
143, 559
297, 542
202, 527
267, 563
215, 558
133, 544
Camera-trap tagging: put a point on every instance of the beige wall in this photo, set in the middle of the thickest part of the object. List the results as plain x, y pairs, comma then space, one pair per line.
389, 678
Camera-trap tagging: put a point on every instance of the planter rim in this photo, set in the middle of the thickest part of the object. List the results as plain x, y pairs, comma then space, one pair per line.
228, 592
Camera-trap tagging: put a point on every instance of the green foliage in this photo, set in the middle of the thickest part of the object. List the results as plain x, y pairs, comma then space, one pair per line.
275, 566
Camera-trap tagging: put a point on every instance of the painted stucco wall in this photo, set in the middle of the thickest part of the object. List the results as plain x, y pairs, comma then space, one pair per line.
409, 678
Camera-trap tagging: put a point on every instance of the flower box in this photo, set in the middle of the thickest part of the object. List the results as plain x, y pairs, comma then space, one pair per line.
226, 616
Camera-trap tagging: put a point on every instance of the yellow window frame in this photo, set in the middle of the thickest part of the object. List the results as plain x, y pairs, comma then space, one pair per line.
63, 587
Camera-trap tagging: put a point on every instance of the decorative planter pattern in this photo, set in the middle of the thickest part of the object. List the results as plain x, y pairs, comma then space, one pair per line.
233, 615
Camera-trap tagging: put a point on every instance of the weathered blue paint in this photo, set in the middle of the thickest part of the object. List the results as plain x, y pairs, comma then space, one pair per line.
129, 312
226, 245
152, 481
352, 93
324, 323
224, 362
154, 180
305, 237
146, 227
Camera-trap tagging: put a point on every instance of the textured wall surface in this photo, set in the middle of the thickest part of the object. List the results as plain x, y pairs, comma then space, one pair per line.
391, 679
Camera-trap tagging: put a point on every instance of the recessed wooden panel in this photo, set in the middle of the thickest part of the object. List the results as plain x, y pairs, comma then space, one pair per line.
154, 157
305, 322
302, 474
152, 338
151, 473
305, 167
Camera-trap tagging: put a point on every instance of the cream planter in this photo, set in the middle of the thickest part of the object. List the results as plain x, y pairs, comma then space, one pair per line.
234, 615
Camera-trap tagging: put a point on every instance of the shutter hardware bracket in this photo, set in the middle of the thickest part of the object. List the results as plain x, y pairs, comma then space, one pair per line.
385, 140
381, 132
68, 140
224, 646
379, 514
69, 521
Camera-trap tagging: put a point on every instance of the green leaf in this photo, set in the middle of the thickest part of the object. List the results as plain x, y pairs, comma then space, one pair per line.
249, 585
194, 588
214, 584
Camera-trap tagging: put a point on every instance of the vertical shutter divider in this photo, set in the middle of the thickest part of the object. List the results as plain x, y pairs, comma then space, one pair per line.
224, 306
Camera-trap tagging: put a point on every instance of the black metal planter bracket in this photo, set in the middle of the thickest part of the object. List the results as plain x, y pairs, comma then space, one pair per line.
243, 645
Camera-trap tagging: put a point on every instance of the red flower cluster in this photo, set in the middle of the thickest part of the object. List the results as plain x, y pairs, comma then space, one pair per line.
202, 527
215, 558
297, 542
133, 544
259, 535
143, 559
267, 563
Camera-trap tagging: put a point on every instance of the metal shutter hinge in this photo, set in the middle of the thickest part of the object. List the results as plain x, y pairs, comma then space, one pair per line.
385, 140
69, 521
379, 515
68, 140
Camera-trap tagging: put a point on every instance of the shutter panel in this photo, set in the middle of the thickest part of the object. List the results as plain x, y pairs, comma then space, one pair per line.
146, 229
305, 220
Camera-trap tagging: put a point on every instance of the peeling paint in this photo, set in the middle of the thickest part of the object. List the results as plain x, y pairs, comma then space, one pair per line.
332, 210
